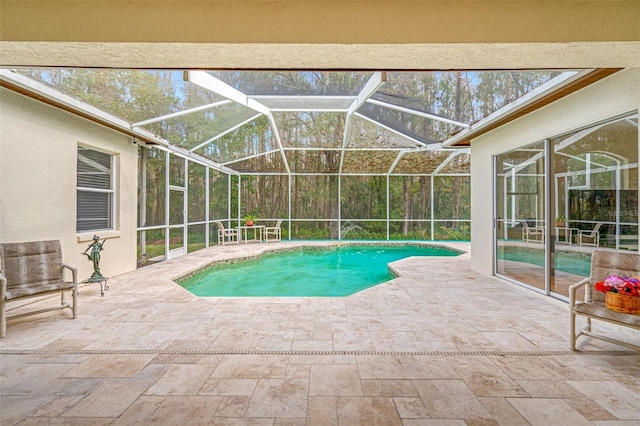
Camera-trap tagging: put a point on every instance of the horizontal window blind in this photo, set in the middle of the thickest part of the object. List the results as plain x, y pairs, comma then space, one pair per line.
94, 207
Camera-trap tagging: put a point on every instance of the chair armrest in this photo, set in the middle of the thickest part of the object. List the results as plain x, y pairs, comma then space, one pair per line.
574, 288
3, 286
74, 272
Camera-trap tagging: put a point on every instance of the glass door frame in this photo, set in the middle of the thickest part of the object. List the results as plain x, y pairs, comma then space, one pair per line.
547, 209
182, 250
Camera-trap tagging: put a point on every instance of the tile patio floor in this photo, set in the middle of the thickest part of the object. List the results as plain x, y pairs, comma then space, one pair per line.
478, 351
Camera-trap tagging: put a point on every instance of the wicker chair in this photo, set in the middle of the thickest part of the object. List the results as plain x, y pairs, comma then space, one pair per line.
32, 269
273, 231
603, 263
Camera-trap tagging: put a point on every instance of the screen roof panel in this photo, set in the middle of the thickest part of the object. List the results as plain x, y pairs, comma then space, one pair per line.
415, 127
267, 163
316, 161
458, 164
306, 103
369, 161
251, 139
362, 133
228, 116
310, 129
294, 83
421, 162
464, 96
194, 130
133, 95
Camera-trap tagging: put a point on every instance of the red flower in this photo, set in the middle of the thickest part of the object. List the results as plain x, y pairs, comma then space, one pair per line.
627, 285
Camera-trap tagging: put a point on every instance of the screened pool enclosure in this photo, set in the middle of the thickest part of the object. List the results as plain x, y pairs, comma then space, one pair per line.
335, 155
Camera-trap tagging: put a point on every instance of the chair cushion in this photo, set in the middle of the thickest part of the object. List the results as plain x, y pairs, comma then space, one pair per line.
29, 289
598, 309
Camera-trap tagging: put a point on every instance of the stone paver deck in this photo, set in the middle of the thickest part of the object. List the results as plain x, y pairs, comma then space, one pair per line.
439, 345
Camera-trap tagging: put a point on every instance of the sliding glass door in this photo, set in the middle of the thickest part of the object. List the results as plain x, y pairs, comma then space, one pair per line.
558, 200
596, 202
520, 215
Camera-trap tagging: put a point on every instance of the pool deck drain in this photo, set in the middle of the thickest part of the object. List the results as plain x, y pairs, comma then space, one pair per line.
381, 353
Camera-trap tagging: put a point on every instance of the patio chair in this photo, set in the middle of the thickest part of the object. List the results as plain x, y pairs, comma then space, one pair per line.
535, 234
604, 262
226, 235
590, 238
273, 231
32, 269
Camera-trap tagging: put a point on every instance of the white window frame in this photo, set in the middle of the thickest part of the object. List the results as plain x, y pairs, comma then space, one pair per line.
111, 218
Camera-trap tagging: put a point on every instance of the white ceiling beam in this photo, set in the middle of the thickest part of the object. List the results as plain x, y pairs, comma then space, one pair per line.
312, 103
249, 157
182, 152
445, 162
368, 90
276, 132
309, 109
180, 113
209, 82
396, 161
376, 80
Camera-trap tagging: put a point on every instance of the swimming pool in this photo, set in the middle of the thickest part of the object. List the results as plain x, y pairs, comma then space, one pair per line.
331, 272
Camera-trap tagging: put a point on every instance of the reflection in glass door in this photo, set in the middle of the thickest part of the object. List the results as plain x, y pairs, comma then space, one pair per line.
596, 196
520, 215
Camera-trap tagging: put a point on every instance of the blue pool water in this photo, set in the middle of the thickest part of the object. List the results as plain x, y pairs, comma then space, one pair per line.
333, 272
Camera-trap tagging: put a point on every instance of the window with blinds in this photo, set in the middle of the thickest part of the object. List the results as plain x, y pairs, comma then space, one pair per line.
94, 208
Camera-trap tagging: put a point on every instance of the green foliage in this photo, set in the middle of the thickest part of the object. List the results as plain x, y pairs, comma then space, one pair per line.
457, 232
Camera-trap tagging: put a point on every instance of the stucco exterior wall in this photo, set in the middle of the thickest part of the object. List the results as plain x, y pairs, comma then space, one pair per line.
330, 34
617, 94
38, 154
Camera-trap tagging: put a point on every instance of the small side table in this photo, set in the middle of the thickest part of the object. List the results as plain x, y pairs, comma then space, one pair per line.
100, 281
257, 233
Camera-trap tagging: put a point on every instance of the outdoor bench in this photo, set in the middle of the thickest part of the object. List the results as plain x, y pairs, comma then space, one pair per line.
604, 262
31, 269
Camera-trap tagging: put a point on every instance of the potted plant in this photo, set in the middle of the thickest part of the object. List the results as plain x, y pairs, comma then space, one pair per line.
561, 221
249, 220
622, 294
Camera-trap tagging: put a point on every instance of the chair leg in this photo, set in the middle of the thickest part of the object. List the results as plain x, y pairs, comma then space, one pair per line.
74, 293
572, 331
3, 306
3, 317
